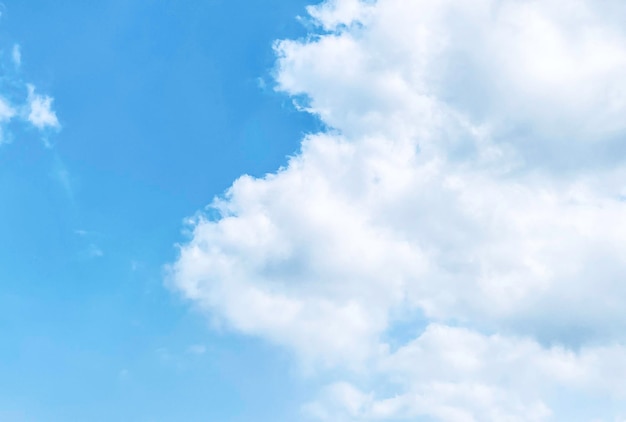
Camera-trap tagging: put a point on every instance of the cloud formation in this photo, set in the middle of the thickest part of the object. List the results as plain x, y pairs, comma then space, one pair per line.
470, 187
20, 103
40, 112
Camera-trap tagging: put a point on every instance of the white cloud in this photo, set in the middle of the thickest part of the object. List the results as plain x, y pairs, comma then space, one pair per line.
455, 374
473, 174
30, 108
40, 112
331, 15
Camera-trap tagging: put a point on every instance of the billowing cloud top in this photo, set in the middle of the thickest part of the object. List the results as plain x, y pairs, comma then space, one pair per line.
470, 187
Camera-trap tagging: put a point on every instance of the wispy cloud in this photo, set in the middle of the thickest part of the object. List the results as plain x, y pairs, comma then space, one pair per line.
40, 113
6, 111
94, 251
21, 105
62, 176
16, 55
6, 114
36, 111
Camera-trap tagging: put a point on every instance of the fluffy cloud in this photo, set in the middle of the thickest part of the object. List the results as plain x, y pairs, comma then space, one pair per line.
40, 113
472, 175
455, 374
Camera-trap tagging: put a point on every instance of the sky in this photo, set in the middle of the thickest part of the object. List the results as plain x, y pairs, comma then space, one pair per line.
343, 211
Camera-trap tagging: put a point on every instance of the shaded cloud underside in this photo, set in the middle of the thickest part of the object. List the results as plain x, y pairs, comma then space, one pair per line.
473, 175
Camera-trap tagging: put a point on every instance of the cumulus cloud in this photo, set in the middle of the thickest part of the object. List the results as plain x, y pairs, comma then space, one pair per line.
472, 174
456, 374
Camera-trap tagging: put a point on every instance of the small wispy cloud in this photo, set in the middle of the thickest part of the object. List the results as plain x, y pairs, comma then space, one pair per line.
21, 103
40, 113
16, 55
7, 112
135, 265
61, 175
94, 251
87, 233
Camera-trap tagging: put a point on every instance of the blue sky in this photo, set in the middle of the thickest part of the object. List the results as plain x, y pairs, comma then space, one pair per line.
161, 109
345, 211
